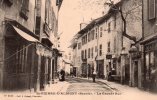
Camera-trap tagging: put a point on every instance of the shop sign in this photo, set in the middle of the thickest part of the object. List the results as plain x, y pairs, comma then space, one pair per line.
43, 51
108, 56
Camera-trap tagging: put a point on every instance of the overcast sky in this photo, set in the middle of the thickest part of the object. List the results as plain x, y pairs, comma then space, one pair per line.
72, 13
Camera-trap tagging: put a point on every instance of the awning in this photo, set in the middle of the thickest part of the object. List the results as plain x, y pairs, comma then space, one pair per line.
46, 41
25, 35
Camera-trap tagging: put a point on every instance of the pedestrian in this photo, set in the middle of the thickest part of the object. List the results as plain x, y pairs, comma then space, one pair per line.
62, 75
94, 75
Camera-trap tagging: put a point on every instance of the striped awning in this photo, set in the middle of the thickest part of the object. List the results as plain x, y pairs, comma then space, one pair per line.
25, 35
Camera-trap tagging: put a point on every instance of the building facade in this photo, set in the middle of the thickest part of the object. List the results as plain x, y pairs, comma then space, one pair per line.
26, 49
106, 49
149, 45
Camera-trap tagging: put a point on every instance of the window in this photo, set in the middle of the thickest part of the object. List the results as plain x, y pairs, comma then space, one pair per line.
151, 9
85, 39
92, 52
47, 13
115, 23
24, 9
95, 48
150, 56
85, 54
100, 50
82, 54
96, 33
38, 23
101, 31
93, 32
114, 45
108, 47
88, 36
89, 53
79, 45
109, 27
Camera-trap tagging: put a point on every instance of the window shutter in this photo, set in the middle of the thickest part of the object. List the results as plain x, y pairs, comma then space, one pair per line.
151, 9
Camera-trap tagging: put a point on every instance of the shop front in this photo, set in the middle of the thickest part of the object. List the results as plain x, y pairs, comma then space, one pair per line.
100, 68
150, 65
23, 68
20, 59
135, 67
84, 68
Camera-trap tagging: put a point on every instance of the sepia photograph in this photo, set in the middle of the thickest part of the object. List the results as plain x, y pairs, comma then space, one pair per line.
78, 49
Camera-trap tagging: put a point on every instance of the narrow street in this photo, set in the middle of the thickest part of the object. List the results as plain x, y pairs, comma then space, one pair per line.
85, 86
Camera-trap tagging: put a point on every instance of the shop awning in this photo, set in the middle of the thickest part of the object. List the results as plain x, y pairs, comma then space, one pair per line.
25, 35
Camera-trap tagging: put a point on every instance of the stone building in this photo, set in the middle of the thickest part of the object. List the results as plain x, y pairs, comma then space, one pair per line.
149, 45
27, 52
107, 50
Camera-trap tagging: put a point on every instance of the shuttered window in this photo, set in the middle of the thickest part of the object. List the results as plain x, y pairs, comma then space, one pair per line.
100, 50
151, 9
89, 53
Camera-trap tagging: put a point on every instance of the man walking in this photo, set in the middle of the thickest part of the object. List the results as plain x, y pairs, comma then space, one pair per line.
94, 75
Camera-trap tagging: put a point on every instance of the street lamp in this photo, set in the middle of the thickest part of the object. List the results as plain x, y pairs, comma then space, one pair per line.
123, 52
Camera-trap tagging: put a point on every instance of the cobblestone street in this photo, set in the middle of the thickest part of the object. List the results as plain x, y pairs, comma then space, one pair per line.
85, 86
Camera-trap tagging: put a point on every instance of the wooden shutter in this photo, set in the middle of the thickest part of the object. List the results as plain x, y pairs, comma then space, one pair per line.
151, 9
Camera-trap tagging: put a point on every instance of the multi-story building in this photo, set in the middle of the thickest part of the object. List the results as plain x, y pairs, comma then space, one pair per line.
26, 28
149, 44
107, 50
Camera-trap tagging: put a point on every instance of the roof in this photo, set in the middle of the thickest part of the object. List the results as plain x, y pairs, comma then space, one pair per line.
99, 20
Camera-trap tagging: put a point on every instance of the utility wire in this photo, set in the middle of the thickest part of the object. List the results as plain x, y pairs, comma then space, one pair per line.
16, 52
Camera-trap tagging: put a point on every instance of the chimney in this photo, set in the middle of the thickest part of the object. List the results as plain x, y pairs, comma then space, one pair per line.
82, 25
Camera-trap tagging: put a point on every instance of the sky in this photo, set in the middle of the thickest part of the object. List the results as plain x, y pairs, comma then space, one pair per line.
74, 12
